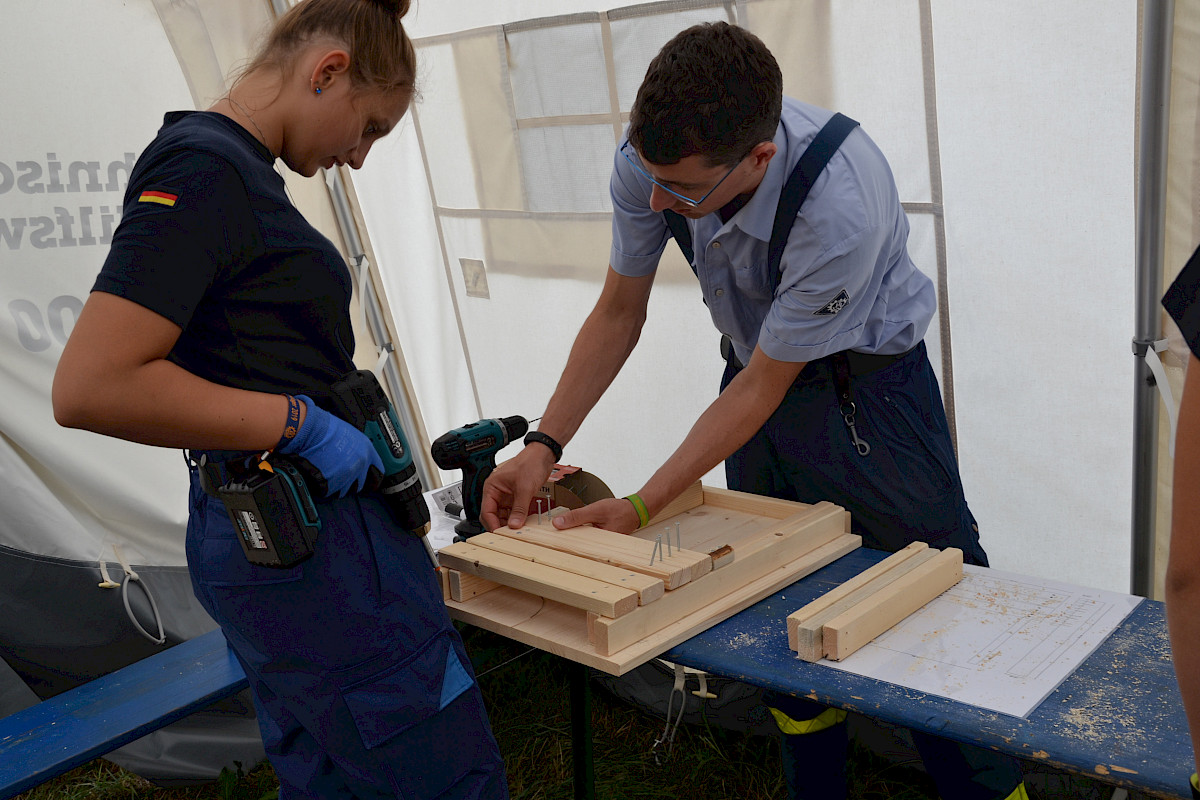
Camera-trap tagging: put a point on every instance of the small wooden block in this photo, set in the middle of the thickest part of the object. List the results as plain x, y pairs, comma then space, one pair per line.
856, 626
721, 556
553, 584
464, 586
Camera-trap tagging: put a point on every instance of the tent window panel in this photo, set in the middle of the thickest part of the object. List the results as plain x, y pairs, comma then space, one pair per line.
558, 71
637, 39
566, 167
444, 134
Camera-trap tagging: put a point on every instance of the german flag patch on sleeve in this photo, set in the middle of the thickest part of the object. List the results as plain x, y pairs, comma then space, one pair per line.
162, 198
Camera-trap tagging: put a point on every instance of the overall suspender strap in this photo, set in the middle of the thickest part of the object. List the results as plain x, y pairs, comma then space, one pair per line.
800, 183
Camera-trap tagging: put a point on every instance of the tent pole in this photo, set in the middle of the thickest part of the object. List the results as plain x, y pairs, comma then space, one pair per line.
1157, 22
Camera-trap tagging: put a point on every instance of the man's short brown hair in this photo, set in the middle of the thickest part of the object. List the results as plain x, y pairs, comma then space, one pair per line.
713, 90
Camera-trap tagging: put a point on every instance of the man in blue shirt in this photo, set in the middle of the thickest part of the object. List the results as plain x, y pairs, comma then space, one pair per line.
790, 218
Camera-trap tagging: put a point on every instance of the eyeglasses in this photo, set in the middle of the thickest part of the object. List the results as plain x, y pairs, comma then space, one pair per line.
635, 161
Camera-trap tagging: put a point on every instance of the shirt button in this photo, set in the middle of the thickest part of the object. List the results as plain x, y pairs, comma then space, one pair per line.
719, 292
716, 244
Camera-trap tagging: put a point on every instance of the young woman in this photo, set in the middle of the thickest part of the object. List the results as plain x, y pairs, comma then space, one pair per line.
218, 323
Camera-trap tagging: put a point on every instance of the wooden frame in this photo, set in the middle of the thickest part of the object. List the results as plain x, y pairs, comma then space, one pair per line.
844, 619
613, 601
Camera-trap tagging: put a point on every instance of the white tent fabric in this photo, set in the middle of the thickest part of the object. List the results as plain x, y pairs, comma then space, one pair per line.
1011, 127
1013, 146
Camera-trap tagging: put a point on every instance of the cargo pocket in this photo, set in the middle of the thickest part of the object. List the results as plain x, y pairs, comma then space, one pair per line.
385, 699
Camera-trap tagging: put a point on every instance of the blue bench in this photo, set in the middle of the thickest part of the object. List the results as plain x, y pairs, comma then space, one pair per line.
72, 728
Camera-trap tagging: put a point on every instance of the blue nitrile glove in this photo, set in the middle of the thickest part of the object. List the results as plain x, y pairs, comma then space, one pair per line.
334, 455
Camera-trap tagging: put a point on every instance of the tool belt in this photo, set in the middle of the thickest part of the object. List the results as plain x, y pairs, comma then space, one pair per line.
213, 469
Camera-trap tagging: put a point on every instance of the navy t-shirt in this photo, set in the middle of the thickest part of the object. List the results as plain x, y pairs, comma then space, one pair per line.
210, 240
1182, 302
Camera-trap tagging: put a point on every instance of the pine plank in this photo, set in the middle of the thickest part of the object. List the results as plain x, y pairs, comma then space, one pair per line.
627, 552
853, 628
804, 626
756, 504
553, 584
648, 588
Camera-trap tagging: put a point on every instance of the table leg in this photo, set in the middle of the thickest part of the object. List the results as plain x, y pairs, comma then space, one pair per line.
581, 732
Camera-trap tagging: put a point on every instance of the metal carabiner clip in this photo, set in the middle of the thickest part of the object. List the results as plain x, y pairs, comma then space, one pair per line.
848, 410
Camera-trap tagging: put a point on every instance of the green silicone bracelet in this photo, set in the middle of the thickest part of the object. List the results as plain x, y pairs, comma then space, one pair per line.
640, 508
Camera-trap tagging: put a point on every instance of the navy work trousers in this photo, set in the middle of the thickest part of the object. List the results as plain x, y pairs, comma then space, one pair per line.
906, 489
361, 684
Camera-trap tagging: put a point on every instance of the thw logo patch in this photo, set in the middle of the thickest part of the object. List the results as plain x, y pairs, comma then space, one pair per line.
833, 306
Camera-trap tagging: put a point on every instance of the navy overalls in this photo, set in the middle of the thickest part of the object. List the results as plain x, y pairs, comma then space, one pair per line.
889, 460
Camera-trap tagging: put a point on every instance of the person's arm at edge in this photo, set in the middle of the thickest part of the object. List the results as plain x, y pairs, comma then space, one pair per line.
601, 347
113, 378
728, 423
1183, 565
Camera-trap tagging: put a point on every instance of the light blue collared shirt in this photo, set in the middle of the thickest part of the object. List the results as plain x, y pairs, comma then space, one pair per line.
850, 236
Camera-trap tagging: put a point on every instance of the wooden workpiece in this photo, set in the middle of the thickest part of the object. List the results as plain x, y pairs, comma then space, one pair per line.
844, 619
594, 597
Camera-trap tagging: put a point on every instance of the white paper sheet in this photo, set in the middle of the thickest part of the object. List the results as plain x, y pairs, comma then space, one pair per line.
997, 640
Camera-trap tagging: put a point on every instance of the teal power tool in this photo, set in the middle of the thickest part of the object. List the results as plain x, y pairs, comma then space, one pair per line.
472, 448
362, 402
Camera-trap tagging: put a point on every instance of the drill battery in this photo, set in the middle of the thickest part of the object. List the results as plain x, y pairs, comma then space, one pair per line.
272, 511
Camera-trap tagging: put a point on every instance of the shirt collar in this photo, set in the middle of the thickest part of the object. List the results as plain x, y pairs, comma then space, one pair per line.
757, 217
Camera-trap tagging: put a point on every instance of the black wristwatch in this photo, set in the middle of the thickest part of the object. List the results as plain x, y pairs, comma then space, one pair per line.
541, 438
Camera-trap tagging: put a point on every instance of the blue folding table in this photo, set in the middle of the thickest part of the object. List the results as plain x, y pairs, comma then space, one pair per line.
1117, 718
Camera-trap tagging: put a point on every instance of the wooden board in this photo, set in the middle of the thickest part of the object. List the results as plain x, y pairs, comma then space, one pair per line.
626, 552
805, 626
579, 591
843, 620
760, 553
647, 587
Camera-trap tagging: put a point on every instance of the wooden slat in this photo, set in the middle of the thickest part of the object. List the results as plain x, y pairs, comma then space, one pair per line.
751, 503
628, 552
648, 588
554, 584
780, 548
856, 626
804, 626
821, 513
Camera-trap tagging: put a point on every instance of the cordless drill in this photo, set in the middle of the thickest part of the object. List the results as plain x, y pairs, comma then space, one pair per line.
472, 448
362, 402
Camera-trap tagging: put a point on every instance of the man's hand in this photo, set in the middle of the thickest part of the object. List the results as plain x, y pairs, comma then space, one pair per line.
613, 514
509, 489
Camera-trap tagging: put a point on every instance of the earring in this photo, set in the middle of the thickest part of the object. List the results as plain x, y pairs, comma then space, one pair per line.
318, 89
